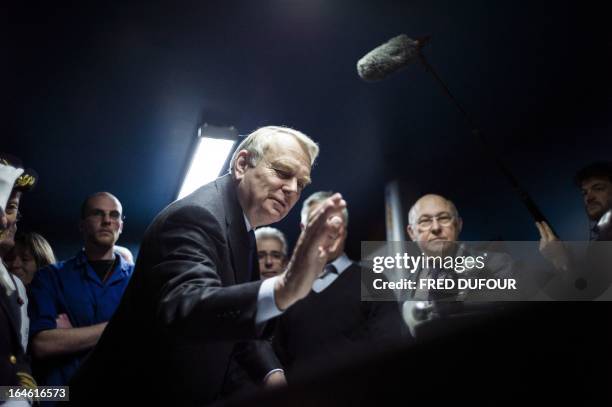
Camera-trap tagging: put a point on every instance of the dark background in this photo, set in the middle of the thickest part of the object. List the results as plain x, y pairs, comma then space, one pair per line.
108, 96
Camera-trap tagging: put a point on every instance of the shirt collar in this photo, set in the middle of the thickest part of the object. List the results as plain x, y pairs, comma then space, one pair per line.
247, 223
81, 261
5, 280
341, 263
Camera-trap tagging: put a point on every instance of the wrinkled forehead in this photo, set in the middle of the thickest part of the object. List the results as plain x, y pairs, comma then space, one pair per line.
287, 150
105, 202
433, 207
269, 244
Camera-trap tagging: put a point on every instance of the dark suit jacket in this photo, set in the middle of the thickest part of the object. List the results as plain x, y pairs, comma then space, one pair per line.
333, 327
189, 302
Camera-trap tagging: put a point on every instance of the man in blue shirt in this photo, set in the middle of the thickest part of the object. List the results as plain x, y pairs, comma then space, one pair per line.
71, 301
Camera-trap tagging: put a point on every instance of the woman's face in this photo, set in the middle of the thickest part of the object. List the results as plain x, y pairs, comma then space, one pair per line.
21, 263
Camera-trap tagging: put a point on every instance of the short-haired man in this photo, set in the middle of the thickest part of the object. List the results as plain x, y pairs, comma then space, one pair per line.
332, 324
434, 224
271, 251
196, 291
72, 301
590, 276
595, 183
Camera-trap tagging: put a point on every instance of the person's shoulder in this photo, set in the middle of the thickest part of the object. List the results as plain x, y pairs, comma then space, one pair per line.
49, 275
203, 205
497, 258
191, 216
57, 267
127, 268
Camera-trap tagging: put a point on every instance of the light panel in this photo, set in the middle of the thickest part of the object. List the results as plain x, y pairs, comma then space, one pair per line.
207, 162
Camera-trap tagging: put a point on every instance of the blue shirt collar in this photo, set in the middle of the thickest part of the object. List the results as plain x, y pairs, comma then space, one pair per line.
124, 267
247, 223
341, 263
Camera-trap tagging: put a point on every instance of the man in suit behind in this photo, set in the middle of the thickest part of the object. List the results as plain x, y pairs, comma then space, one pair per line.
195, 293
332, 325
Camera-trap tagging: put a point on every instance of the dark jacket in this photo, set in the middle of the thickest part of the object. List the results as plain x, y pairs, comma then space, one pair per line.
188, 304
335, 327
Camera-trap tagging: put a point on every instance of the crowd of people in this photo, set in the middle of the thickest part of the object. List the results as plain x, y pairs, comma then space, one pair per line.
216, 304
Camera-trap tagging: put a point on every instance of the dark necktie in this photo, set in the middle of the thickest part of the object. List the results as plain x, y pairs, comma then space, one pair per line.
328, 269
330, 272
253, 260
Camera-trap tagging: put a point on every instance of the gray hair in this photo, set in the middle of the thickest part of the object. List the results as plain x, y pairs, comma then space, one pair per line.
315, 198
258, 142
412, 216
268, 232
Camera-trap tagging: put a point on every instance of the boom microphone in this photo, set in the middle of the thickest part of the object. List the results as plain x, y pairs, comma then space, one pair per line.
399, 52
389, 57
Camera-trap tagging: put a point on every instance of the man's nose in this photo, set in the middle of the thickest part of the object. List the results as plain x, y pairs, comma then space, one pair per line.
291, 185
435, 225
589, 197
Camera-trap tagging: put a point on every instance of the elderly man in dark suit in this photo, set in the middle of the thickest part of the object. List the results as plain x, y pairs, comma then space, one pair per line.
332, 325
195, 293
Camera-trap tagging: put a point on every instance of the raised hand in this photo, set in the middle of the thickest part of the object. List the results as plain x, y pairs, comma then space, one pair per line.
551, 248
310, 255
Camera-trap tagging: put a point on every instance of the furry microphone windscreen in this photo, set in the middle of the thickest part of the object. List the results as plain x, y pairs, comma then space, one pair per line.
391, 56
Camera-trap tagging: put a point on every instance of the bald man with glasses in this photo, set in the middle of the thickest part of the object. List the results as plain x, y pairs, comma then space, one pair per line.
434, 225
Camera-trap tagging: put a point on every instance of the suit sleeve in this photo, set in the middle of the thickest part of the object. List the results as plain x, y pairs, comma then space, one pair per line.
279, 343
42, 304
192, 300
385, 325
257, 358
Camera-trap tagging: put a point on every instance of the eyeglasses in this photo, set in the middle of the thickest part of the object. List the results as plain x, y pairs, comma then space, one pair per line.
115, 216
444, 219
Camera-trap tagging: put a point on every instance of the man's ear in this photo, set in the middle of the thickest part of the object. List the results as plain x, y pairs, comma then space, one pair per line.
241, 164
411, 232
302, 227
459, 226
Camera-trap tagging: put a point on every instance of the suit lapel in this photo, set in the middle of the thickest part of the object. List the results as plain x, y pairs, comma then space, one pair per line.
237, 236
